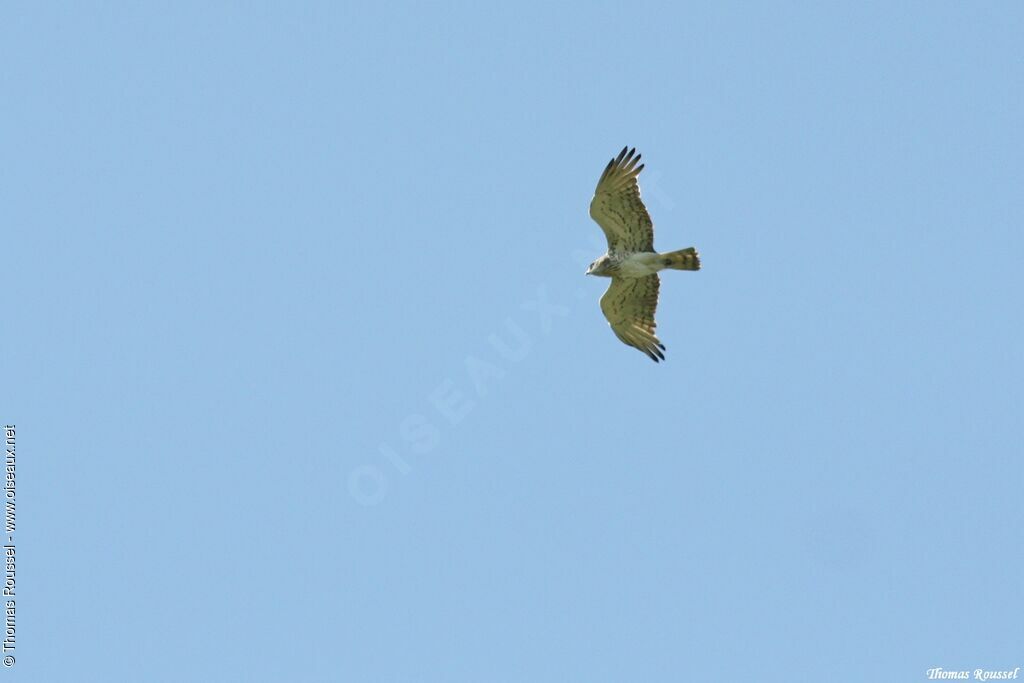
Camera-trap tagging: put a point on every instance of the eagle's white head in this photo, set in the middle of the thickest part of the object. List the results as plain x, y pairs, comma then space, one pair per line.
599, 267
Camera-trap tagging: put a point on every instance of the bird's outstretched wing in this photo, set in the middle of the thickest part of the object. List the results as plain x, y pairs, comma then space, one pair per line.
629, 305
617, 207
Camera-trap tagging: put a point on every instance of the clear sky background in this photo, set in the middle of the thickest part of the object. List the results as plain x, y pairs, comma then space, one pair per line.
310, 385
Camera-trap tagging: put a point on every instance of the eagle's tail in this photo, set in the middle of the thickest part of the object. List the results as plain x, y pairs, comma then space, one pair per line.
684, 259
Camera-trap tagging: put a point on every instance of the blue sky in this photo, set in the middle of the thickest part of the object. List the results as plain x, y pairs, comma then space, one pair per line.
309, 383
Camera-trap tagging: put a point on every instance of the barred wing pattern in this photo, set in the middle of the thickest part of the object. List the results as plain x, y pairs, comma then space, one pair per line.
629, 306
617, 207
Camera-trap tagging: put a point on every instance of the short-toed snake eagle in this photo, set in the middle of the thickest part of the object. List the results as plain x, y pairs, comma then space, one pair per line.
631, 261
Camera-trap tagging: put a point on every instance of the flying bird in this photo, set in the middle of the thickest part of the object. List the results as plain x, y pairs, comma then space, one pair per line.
631, 261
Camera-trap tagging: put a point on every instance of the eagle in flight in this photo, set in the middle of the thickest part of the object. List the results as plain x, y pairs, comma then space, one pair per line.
631, 261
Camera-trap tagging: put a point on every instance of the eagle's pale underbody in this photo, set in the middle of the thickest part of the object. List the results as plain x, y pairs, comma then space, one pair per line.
631, 261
